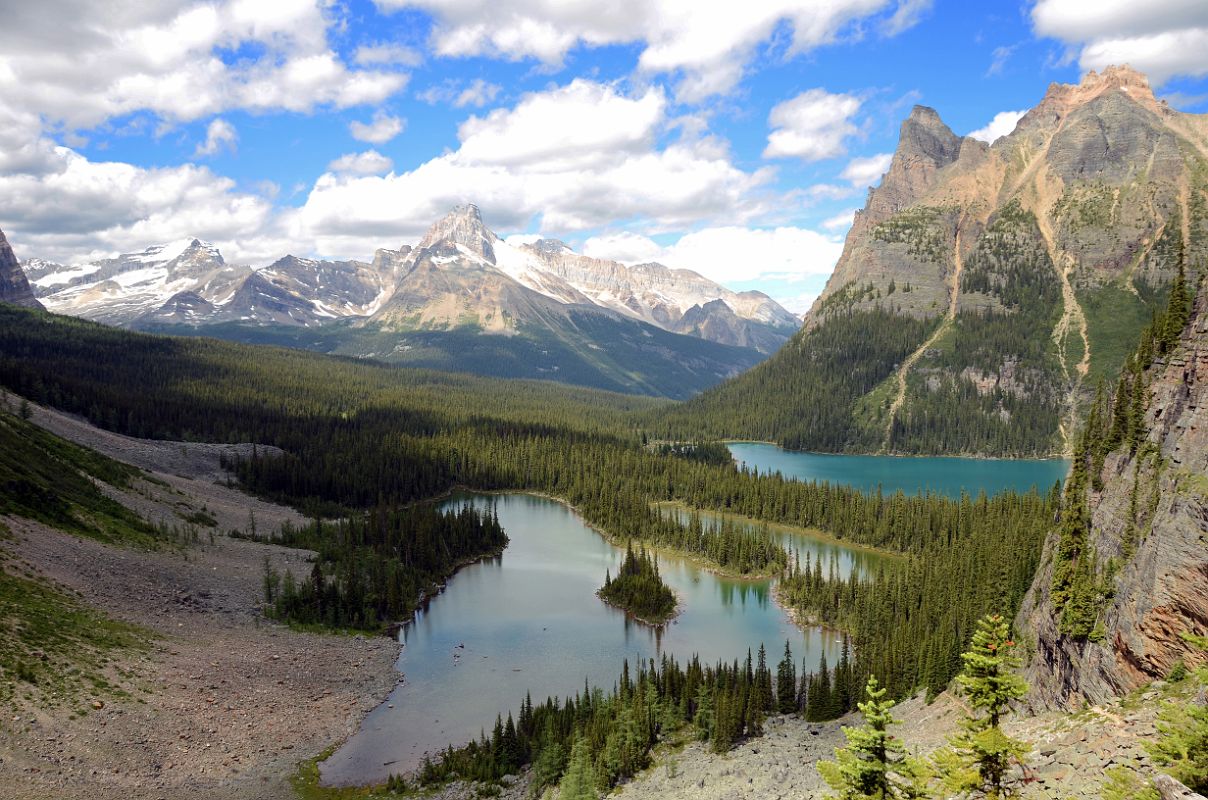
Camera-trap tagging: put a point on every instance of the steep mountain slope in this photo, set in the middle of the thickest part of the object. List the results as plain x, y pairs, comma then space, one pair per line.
1004, 279
1126, 572
14, 287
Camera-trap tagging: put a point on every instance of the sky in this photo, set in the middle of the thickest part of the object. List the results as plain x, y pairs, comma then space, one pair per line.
735, 139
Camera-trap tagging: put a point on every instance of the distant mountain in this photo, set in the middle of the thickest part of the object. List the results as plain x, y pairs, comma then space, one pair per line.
985, 289
14, 287
461, 299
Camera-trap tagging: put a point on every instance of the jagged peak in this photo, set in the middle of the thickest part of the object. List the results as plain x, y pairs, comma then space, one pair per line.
550, 246
1062, 98
463, 226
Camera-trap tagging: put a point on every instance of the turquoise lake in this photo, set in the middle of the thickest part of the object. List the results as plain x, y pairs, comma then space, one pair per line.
912, 474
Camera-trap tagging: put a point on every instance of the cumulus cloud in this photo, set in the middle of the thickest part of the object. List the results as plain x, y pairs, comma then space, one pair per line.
370, 162
80, 63
707, 45
220, 134
381, 129
811, 126
730, 253
1003, 123
1163, 38
866, 170
574, 157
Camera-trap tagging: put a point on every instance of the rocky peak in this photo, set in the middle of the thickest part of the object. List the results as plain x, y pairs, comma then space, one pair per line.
14, 286
1063, 99
462, 227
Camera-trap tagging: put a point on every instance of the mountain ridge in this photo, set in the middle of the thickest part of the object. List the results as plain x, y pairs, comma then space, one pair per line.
1017, 274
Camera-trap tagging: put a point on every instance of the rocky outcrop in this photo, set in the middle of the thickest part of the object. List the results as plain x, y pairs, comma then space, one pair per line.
14, 286
1149, 525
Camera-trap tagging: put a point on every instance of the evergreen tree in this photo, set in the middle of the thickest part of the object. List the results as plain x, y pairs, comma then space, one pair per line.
786, 682
874, 765
981, 760
579, 782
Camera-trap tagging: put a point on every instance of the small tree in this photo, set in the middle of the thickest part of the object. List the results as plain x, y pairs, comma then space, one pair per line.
1182, 747
981, 760
579, 782
874, 764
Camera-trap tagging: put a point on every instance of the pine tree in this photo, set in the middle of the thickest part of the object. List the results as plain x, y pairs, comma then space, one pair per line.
874, 764
786, 682
981, 760
579, 782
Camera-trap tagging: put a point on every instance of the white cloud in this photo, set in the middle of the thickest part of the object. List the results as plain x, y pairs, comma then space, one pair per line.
840, 222
866, 170
63, 206
370, 162
623, 246
574, 157
477, 94
372, 55
811, 126
800, 303
730, 253
381, 129
219, 134
1162, 38
1003, 123
707, 45
80, 63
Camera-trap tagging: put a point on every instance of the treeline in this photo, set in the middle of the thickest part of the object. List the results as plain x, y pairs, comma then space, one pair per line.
374, 569
909, 623
1116, 423
639, 589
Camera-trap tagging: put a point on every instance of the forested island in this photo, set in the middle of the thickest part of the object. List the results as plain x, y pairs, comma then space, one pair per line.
639, 590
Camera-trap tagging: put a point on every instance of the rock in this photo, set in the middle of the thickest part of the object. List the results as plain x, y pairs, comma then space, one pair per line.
14, 286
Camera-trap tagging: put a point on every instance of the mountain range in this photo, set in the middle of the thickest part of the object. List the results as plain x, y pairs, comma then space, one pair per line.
462, 298
984, 290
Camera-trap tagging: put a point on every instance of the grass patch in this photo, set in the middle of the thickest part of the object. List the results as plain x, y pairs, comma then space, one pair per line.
305, 783
1114, 319
55, 647
48, 479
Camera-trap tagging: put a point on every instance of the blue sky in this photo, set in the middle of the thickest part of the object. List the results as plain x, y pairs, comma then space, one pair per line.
734, 139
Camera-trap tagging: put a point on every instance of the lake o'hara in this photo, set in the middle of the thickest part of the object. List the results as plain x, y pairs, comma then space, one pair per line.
529, 621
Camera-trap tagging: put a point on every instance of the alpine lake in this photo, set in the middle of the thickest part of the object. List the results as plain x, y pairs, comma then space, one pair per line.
529, 621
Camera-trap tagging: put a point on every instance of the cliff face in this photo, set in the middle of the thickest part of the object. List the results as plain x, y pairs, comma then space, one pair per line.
1151, 519
14, 287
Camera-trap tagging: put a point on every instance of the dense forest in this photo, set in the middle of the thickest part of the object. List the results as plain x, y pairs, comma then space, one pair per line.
373, 570
639, 589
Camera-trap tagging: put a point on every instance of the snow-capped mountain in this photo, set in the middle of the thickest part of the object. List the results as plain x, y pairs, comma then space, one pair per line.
459, 274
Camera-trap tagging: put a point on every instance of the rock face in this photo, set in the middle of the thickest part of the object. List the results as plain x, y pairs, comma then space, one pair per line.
1035, 261
1161, 590
14, 287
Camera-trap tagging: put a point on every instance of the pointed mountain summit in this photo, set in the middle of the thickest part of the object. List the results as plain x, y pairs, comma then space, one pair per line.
984, 290
461, 227
14, 286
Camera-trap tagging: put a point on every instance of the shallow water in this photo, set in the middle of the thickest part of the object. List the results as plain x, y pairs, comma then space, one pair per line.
911, 474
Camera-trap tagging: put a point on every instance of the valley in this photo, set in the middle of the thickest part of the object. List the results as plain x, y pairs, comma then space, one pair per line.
492, 516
